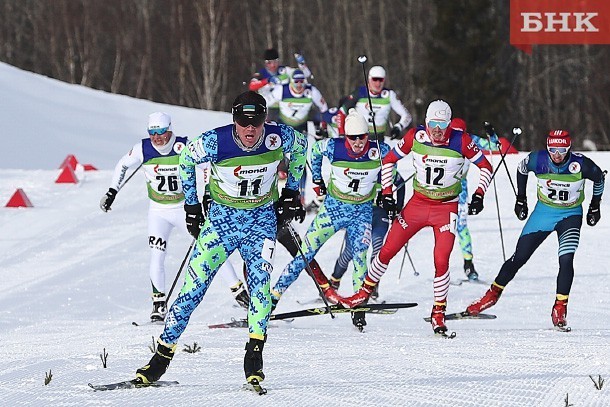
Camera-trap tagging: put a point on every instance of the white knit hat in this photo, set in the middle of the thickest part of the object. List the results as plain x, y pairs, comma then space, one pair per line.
159, 120
355, 124
377, 72
438, 110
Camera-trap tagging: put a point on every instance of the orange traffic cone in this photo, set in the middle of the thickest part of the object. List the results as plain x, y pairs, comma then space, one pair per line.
19, 199
67, 176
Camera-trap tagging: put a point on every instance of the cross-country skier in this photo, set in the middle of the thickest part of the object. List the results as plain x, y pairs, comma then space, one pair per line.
274, 75
244, 157
384, 101
355, 167
159, 155
439, 153
561, 176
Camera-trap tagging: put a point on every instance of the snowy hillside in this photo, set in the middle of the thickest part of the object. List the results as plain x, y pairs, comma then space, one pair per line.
72, 279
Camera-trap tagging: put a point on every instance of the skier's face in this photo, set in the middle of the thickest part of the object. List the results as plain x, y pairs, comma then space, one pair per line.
159, 140
250, 134
298, 85
437, 130
558, 155
272, 65
357, 143
376, 84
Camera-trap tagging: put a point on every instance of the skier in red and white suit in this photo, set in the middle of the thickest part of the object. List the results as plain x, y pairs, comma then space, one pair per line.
438, 157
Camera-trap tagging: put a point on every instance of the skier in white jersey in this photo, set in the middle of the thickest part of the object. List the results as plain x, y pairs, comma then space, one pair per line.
159, 156
383, 100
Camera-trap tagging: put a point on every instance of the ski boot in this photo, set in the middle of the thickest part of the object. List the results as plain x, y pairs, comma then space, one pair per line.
359, 320
253, 361
487, 301
470, 271
437, 318
157, 365
159, 307
375, 292
241, 295
559, 313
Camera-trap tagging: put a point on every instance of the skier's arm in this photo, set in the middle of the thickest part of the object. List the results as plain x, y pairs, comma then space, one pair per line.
389, 160
320, 149
523, 168
475, 156
202, 149
318, 100
401, 110
295, 144
591, 171
133, 158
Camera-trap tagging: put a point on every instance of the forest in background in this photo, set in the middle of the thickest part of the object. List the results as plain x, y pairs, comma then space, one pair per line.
202, 54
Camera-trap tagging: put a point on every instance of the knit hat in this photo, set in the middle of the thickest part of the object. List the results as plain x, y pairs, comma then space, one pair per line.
438, 110
298, 75
271, 54
355, 124
159, 120
377, 72
559, 138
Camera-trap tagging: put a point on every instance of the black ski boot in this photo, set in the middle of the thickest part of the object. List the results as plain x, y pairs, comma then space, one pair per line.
253, 361
159, 307
241, 295
157, 365
359, 320
469, 270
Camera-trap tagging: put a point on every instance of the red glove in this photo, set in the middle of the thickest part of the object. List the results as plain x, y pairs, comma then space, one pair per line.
361, 295
256, 84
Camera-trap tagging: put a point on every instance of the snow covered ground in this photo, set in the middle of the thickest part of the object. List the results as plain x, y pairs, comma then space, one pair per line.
72, 279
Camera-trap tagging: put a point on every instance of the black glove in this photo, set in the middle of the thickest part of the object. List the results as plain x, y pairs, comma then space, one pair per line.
194, 219
489, 129
476, 204
521, 207
108, 199
594, 215
289, 207
206, 201
388, 203
321, 131
396, 132
320, 187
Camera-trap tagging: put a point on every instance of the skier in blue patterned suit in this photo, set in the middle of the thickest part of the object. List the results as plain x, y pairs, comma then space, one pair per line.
355, 166
244, 157
159, 156
561, 178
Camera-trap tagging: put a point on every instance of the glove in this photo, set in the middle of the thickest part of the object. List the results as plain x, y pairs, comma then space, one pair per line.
361, 296
206, 201
521, 207
320, 187
396, 132
489, 129
476, 204
388, 203
289, 207
321, 131
108, 199
274, 79
194, 219
299, 58
594, 215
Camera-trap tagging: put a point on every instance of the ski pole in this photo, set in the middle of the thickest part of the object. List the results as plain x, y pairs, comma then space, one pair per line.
188, 253
308, 268
497, 203
510, 178
130, 176
415, 273
362, 59
516, 132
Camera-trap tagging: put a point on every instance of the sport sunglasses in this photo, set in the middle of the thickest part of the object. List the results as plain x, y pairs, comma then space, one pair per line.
158, 132
438, 123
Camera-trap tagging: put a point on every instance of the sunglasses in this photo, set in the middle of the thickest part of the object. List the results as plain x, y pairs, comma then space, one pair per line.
247, 120
157, 132
378, 79
560, 150
356, 136
299, 81
438, 123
